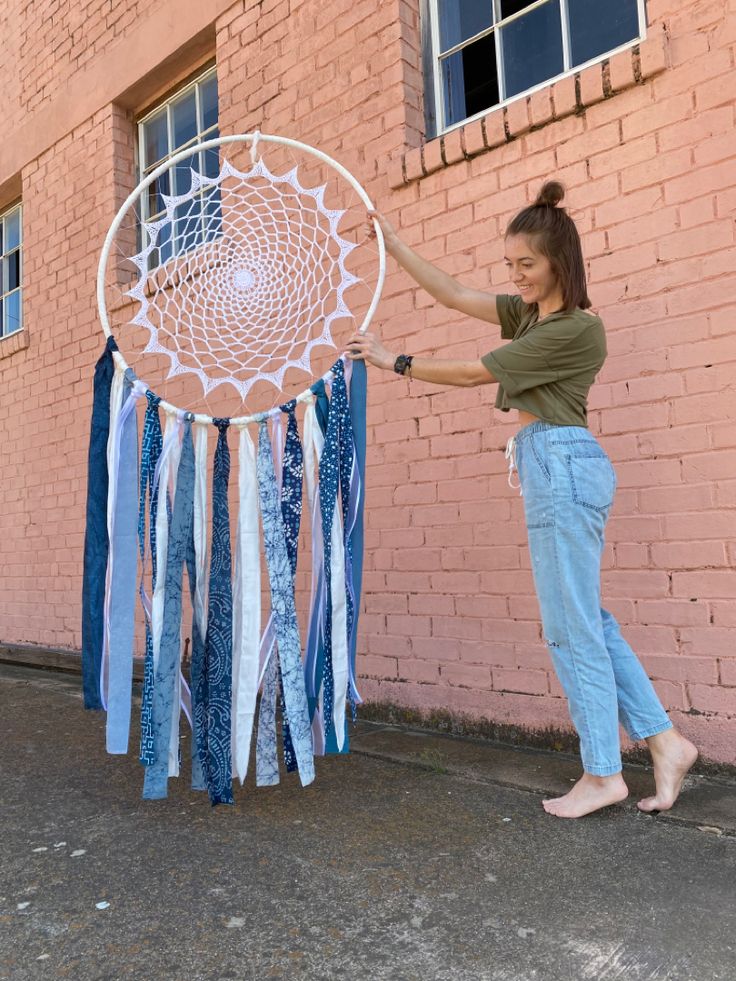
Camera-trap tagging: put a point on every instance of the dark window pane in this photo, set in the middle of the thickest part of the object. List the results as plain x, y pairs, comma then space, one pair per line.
212, 214
156, 138
210, 162
12, 312
208, 96
462, 19
2, 317
509, 7
597, 26
184, 113
12, 263
183, 174
470, 81
155, 191
12, 230
532, 48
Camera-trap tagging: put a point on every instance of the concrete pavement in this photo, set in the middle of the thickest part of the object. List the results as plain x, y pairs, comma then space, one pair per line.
416, 857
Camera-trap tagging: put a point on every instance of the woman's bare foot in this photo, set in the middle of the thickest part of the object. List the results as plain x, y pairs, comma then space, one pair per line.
589, 794
672, 756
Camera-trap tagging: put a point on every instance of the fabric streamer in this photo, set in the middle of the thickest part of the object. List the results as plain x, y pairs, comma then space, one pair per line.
217, 687
96, 541
246, 608
151, 446
122, 565
165, 690
284, 609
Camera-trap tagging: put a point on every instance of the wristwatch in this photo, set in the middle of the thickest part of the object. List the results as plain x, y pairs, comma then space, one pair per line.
403, 364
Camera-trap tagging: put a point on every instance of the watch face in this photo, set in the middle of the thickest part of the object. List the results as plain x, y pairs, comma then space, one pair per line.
400, 364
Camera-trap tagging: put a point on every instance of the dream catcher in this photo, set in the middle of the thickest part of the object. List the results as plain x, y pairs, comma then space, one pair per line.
220, 285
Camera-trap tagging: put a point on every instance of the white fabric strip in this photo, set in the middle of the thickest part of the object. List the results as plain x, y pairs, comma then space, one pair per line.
113, 446
246, 608
200, 526
339, 627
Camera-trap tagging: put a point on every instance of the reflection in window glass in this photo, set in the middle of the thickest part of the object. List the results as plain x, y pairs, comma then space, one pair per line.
184, 115
509, 7
463, 19
157, 138
208, 95
532, 48
597, 26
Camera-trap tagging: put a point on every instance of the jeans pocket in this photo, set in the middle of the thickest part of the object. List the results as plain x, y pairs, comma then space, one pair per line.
592, 480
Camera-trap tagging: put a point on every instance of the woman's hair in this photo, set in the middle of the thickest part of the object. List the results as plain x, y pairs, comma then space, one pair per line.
554, 235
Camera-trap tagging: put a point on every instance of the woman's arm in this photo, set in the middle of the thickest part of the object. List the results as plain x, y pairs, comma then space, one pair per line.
440, 285
440, 371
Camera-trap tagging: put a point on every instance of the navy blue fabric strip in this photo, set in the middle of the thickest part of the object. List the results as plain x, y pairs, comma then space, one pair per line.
96, 544
219, 640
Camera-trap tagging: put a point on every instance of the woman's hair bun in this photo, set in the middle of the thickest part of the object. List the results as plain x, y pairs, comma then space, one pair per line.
551, 194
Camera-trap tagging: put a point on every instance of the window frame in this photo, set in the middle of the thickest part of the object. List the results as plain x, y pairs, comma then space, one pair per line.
434, 99
145, 167
4, 294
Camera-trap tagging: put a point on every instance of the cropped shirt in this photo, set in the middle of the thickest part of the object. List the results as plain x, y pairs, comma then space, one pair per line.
550, 364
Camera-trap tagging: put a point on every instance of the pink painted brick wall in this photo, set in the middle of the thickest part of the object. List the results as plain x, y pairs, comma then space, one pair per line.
645, 145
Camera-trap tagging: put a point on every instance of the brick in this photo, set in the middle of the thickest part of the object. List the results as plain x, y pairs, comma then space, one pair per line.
707, 585
715, 641
467, 675
526, 682
541, 110
621, 70
564, 97
712, 699
395, 173
413, 164
517, 117
453, 146
728, 671
495, 131
474, 137
591, 85
653, 54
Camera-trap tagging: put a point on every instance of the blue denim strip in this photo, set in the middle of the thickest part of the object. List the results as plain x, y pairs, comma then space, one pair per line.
218, 655
167, 670
329, 477
284, 609
151, 446
123, 581
95, 536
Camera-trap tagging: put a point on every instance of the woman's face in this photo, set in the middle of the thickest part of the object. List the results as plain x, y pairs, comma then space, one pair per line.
529, 271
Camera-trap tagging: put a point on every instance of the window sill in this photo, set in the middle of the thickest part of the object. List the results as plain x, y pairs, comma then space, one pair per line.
568, 96
13, 343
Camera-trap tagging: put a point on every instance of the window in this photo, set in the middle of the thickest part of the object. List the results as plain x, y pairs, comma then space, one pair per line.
189, 117
11, 308
486, 52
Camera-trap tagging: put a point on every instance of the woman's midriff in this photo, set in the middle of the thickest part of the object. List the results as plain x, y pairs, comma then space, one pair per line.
525, 418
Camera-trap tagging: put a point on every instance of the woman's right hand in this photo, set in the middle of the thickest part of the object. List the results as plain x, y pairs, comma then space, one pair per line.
389, 232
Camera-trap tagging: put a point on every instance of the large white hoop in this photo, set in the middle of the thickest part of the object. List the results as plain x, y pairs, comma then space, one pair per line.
254, 138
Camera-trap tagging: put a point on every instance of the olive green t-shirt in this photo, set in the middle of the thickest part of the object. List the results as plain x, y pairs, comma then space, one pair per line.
550, 364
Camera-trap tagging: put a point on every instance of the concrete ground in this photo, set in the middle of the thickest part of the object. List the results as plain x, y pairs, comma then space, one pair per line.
416, 857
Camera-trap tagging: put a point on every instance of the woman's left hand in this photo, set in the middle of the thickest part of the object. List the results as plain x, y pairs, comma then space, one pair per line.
367, 347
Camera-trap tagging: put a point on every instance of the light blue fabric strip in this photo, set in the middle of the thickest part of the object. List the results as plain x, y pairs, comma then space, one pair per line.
164, 689
123, 583
284, 609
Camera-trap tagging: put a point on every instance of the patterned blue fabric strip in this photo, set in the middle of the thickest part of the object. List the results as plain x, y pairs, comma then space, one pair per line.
151, 445
329, 476
350, 488
218, 655
358, 398
292, 480
195, 673
164, 691
123, 581
284, 609
315, 672
95, 537
267, 760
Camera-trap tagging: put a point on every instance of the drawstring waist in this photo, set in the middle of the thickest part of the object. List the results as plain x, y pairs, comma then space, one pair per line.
510, 455
511, 447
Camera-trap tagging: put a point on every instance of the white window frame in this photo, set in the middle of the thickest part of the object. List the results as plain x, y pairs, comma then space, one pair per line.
146, 167
4, 291
432, 11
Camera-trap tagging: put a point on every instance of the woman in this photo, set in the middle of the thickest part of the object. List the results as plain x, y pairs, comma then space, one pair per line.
556, 349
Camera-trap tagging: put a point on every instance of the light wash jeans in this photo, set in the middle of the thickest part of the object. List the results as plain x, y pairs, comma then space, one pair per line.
568, 484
